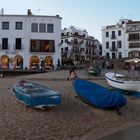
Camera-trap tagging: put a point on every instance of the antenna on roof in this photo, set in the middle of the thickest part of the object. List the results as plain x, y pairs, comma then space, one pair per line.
2, 11
38, 10
130, 15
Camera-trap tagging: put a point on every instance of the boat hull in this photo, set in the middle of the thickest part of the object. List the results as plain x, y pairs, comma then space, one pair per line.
122, 83
97, 95
36, 95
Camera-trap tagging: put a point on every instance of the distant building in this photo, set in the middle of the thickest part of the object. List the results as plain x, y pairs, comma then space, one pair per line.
77, 45
121, 40
28, 40
133, 39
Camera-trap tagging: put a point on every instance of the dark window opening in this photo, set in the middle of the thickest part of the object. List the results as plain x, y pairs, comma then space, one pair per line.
42, 46
18, 44
18, 26
4, 43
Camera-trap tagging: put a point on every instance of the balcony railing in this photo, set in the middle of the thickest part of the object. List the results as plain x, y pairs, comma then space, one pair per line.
2, 47
113, 36
113, 49
20, 47
133, 39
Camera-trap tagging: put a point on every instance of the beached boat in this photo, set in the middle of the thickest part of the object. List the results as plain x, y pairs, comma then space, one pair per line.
94, 71
121, 82
36, 95
98, 96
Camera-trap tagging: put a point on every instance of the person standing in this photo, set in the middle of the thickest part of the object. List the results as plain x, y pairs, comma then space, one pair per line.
73, 74
133, 70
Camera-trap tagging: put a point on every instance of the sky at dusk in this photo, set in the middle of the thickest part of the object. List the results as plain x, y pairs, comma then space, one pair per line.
86, 14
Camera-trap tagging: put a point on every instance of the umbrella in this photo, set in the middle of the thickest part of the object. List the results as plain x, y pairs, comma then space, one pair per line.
136, 60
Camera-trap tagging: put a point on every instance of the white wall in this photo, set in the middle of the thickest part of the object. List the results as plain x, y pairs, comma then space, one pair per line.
26, 35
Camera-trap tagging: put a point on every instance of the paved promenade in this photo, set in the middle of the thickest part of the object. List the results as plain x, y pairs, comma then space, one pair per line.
82, 74
63, 75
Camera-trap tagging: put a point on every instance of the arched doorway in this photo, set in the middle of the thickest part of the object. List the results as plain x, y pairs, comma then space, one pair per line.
4, 62
49, 62
18, 62
34, 62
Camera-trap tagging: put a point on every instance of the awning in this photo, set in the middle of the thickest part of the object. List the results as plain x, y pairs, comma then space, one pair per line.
135, 60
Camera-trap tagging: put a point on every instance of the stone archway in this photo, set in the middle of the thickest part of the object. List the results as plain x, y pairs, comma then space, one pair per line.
4, 62
34, 62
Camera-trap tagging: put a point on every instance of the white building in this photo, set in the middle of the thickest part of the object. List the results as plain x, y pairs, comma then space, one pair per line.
26, 40
121, 40
133, 39
114, 40
78, 45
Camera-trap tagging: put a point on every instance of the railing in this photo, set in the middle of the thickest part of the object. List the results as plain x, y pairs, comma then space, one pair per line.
113, 36
113, 49
133, 39
20, 48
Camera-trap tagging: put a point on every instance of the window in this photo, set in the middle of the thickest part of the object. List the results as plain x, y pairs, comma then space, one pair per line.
119, 32
4, 43
120, 55
18, 44
113, 35
113, 55
18, 26
42, 27
66, 48
133, 37
34, 27
75, 41
107, 45
107, 34
50, 28
113, 44
119, 44
134, 45
66, 40
107, 55
5, 25
42, 46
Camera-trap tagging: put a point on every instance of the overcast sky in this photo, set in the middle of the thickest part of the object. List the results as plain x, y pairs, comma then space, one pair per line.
87, 14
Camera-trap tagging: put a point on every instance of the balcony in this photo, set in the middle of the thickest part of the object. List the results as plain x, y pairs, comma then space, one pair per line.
113, 49
6, 47
18, 47
113, 36
133, 39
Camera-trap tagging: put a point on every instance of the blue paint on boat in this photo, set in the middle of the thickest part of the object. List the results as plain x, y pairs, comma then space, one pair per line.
99, 96
34, 95
115, 80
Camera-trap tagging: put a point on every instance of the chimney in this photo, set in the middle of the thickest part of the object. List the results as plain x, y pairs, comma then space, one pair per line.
29, 12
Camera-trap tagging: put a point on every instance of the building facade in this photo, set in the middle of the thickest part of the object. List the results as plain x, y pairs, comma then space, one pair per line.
29, 41
77, 45
133, 39
121, 40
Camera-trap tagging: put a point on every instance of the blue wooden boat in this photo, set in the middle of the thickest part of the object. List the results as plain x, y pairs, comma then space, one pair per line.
99, 96
36, 95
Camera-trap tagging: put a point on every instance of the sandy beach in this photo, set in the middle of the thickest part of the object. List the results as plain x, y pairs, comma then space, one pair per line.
72, 120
